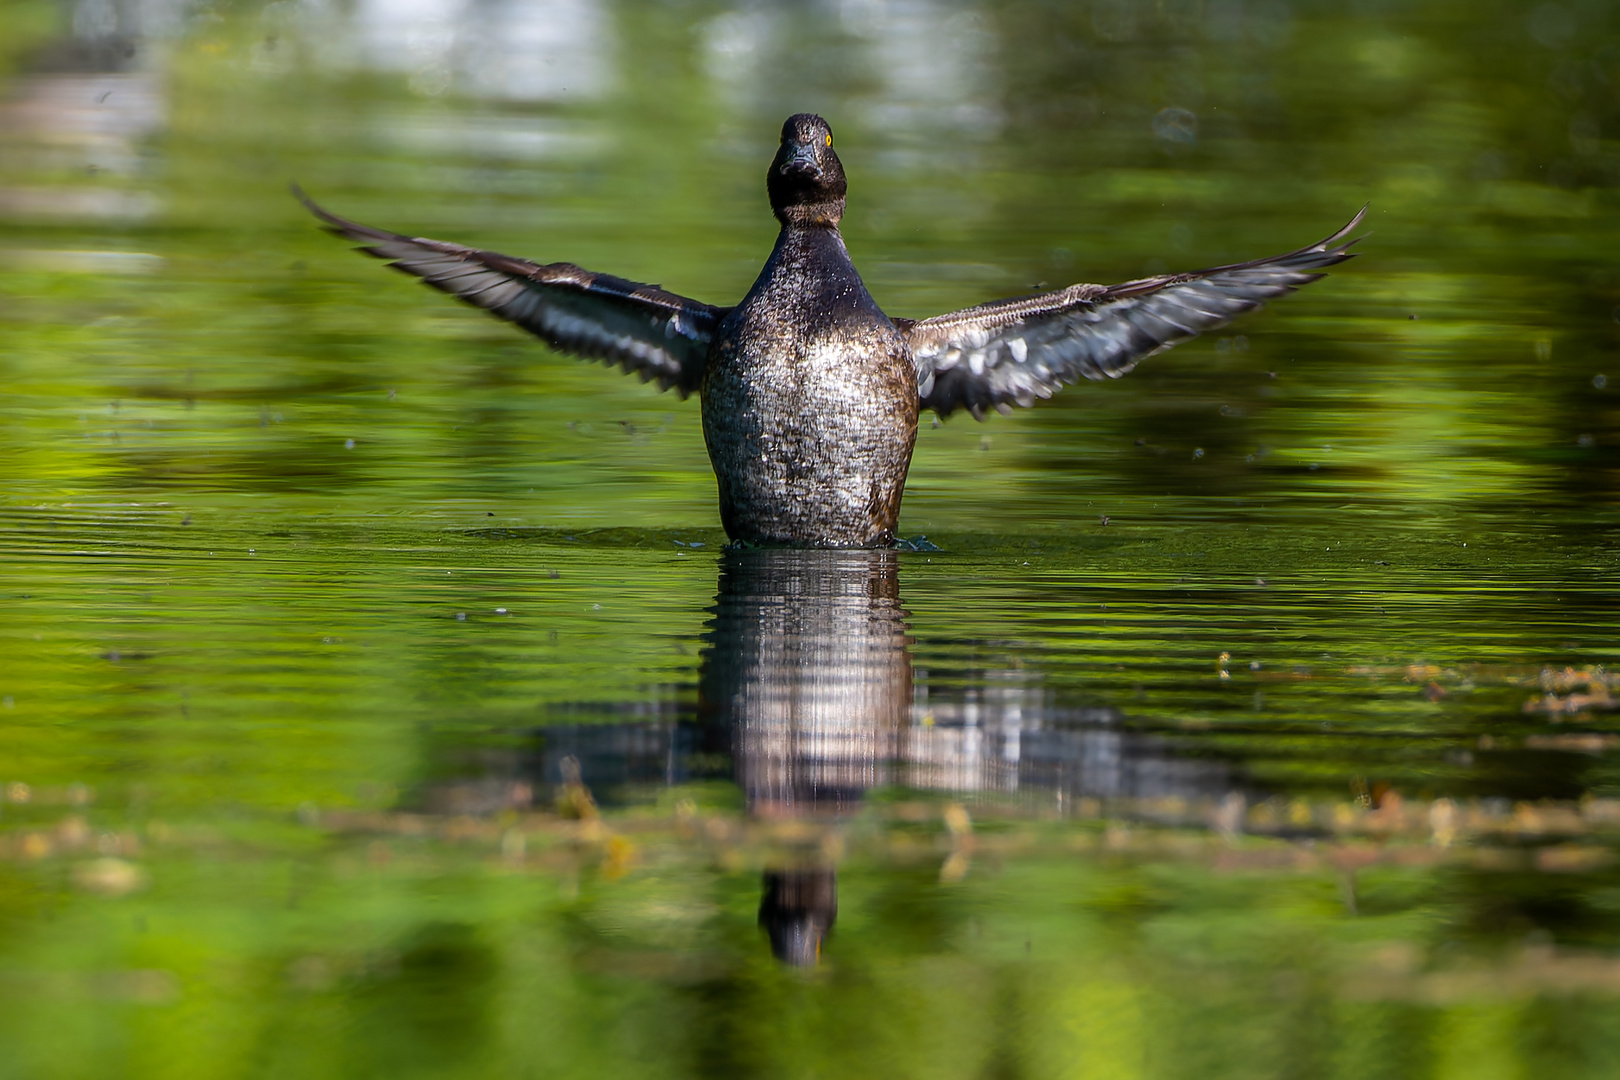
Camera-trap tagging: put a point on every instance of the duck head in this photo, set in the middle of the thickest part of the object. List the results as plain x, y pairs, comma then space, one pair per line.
806, 181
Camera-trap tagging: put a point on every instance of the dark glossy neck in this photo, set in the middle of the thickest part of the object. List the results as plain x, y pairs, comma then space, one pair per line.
824, 215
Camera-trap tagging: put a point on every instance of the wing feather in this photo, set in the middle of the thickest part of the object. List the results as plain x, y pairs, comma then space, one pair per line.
1024, 349
640, 328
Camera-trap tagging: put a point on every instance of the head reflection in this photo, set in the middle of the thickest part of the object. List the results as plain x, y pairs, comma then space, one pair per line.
797, 912
807, 668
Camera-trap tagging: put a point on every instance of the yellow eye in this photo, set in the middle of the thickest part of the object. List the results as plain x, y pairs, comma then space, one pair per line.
829, 140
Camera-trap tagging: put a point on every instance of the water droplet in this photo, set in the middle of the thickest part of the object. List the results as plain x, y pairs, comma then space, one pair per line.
1174, 125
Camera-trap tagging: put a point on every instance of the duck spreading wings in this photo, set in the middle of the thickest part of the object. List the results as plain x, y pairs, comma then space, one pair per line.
810, 392
996, 355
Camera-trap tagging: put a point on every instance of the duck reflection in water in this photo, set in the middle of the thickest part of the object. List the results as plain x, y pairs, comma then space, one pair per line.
808, 670
807, 688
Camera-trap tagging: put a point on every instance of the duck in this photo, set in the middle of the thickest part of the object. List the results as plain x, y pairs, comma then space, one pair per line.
810, 392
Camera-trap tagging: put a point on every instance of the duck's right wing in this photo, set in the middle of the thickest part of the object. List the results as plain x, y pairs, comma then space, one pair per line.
1014, 352
641, 328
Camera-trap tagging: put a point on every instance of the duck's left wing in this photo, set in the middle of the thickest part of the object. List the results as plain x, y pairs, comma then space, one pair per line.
1012, 352
641, 328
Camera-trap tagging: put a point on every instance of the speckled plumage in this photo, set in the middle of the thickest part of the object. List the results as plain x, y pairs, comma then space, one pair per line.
809, 403
810, 392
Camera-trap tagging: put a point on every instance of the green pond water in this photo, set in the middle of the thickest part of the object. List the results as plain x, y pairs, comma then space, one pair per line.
377, 696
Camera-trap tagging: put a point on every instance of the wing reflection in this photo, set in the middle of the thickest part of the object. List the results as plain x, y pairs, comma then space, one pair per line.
808, 699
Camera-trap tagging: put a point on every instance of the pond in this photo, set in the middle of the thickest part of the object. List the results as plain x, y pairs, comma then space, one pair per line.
379, 693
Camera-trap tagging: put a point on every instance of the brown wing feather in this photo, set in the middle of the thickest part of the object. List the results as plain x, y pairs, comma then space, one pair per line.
1015, 351
642, 328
